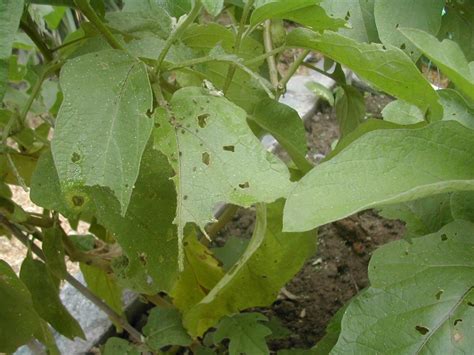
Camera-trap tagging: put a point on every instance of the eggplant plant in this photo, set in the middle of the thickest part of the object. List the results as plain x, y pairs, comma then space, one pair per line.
138, 117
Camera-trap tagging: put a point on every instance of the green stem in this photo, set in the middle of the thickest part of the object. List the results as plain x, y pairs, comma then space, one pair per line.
268, 45
92, 16
264, 56
225, 217
29, 27
68, 44
315, 68
291, 70
238, 41
195, 11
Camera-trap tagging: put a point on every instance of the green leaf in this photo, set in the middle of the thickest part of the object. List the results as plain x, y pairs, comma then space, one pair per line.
53, 250
164, 327
284, 123
258, 275
213, 7
10, 14
321, 90
370, 172
245, 332
115, 346
102, 147
389, 69
201, 273
45, 294
216, 157
390, 15
404, 113
462, 205
447, 55
273, 8
146, 233
231, 252
359, 15
18, 319
104, 286
174, 8
350, 108
458, 25
456, 108
54, 18
424, 290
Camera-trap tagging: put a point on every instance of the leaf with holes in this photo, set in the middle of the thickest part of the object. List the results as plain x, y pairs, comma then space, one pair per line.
102, 126
424, 289
215, 156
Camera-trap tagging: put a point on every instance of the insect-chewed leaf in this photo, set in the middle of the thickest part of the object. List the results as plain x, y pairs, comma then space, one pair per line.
102, 126
215, 156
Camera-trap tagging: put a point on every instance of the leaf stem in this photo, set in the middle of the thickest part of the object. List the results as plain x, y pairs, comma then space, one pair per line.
92, 16
291, 70
115, 317
224, 218
238, 41
29, 27
195, 11
264, 56
268, 45
321, 71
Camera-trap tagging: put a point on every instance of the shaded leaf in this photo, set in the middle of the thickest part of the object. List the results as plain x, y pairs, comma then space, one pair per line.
402, 112
424, 289
350, 108
447, 55
102, 147
53, 250
245, 332
232, 250
164, 327
321, 90
388, 68
213, 7
370, 172
456, 108
115, 346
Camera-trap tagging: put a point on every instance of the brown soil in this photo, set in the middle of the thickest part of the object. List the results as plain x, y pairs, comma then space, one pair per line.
338, 270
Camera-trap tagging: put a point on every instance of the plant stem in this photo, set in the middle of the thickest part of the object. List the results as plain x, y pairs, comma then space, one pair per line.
291, 70
238, 41
224, 218
264, 56
268, 45
28, 25
116, 318
195, 11
92, 16
315, 68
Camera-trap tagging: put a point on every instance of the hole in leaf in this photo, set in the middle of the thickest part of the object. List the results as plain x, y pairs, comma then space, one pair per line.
397, 25
206, 158
444, 237
149, 113
470, 304
421, 329
403, 46
245, 185
202, 120
78, 201
229, 148
143, 258
457, 321
157, 125
185, 197
384, 48
75, 157
438, 294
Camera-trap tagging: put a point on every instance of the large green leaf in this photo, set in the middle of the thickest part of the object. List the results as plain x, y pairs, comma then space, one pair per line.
54, 253
10, 14
284, 123
382, 167
388, 68
245, 332
215, 156
102, 126
269, 9
360, 16
45, 294
447, 55
456, 108
18, 319
401, 112
350, 108
258, 275
164, 327
424, 290
421, 14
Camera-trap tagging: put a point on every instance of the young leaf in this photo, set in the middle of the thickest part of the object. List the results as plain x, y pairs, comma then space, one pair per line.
402, 112
265, 260
10, 14
388, 68
390, 15
213, 7
164, 327
102, 126
456, 108
358, 14
382, 167
45, 295
245, 332
115, 346
18, 319
350, 108
286, 126
424, 289
447, 55
216, 157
